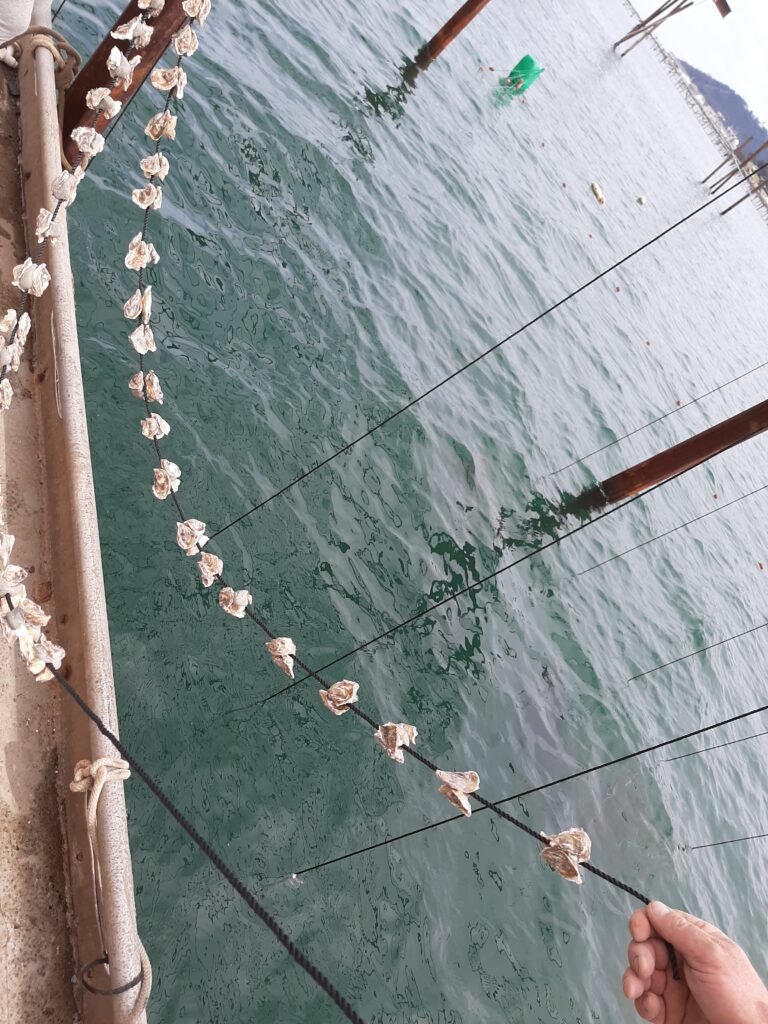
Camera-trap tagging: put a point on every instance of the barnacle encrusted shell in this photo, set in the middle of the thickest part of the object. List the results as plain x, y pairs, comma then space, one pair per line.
136, 30
456, 786
167, 479
140, 303
338, 697
166, 79
154, 426
234, 601
161, 126
152, 7
100, 99
185, 41
190, 535
88, 140
143, 340
148, 198
7, 540
6, 394
31, 277
121, 68
210, 567
198, 9
40, 653
11, 579
45, 226
140, 254
64, 185
8, 323
13, 328
393, 736
10, 356
138, 383
282, 649
155, 166
565, 851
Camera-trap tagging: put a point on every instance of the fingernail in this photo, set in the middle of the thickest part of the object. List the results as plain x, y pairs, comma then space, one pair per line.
658, 908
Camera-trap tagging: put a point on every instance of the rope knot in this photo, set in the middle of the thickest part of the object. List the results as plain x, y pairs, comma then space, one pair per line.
94, 774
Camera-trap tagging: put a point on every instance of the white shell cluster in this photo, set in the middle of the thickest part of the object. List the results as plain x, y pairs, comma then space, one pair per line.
23, 624
210, 567
11, 351
88, 141
45, 227
565, 851
197, 9
136, 31
121, 68
6, 394
64, 185
31, 277
155, 427
139, 305
148, 198
234, 602
167, 479
152, 7
457, 786
393, 737
190, 536
140, 254
142, 339
185, 41
161, 126
337, 698
166, 79
155, 166
282, 650
149, 383
101, 100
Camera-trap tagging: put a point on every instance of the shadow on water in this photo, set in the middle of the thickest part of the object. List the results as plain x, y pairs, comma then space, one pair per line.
540, 521
391, 100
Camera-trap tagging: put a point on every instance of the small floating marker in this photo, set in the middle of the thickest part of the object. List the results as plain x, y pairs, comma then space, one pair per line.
679, 402
648, 344
716, 496
760, 566
565, 184
597, 193
618, 287
641, 200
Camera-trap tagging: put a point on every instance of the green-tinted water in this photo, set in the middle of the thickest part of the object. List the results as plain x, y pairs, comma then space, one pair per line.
320, 265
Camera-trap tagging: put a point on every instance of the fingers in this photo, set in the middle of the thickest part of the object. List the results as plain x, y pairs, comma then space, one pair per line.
647, 957
700, 943
640, 927
651, 1008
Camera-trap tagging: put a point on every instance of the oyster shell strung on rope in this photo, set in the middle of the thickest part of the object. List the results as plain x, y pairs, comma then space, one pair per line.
140, 254
234, 602
121, 68
136, 30
88, 140
155, 166
185, 41
31, 277
139, 383
161, 126
148, 198
282, 649
565, 851
101, 100
210, 567
166, 79
139, 304
152, 7
10, 356
143, 339
38, 654
190, 536
46, 227
64, 185
167, 479
6, 394
197, 9
338, 697
393, 736
456, 786
155, 427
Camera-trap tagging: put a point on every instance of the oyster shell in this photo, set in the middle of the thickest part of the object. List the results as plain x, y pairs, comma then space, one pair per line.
161, 126
135, 30
40, 653
154, 427
143, 340
6, 394
45, 227
10, 356
166, 79
101, 100
152, 7
393, 736
338, 697
185, 41
210, 567
7, 540
88, 140
456, 786
282, 650
148, 198
139, 304
565, 851
197, 9
140, 254
234, 602
190, 536
121, 68
167, 479
64, 185
8, 323
155, 166
31, 277
151, 383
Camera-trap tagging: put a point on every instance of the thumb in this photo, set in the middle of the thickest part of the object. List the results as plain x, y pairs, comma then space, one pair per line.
700, 943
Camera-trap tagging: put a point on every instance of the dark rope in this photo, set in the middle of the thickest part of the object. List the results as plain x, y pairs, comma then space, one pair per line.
727, 842
658, 419
717, 746
660, 536
58, 11
701, 650
477, 359
538, 789
108, 991
280, 935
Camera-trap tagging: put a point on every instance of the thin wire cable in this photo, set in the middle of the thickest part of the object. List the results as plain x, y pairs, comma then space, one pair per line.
538, 789
658, 419
280, 935
727, 842
718, 746
58, 11
660, 536
485, 579
701, 650
472, 362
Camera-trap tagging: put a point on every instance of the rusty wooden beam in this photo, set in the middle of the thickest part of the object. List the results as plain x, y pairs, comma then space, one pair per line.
448, 32
94, 74
677, 459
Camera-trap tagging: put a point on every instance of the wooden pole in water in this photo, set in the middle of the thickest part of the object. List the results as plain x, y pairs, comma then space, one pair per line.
448, 32
677, 459
749, 194
736, 153
648, 25
94, 73
747, 159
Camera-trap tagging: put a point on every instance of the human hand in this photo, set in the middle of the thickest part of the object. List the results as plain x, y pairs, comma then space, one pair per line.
718, 985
